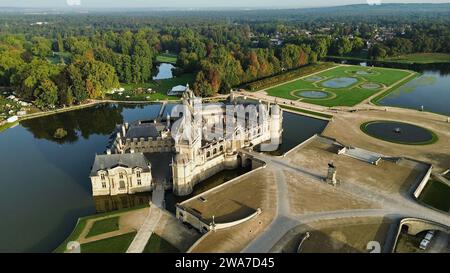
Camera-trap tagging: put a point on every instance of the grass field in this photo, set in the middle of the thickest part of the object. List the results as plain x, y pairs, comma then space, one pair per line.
7, 125
437, 195
81, 225
422, 58
167, 58
350, 95
156, 244
117, 244
104, 226
160, 87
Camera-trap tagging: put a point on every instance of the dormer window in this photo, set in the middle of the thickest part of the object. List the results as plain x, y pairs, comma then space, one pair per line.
102, 176
138, 174
121, 176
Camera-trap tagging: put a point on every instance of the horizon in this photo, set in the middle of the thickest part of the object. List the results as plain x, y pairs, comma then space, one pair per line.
200, 4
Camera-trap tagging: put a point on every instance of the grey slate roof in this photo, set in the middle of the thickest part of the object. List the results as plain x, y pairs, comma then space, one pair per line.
105, 161
144, 130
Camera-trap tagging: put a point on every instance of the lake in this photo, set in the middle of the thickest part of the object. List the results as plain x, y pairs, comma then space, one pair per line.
431, 90
45, 181
164, 71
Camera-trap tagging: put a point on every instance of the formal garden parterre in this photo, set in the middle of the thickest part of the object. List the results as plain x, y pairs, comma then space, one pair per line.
344, 85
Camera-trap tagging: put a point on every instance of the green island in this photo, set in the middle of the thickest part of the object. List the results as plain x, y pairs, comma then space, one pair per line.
421, 58
413, 58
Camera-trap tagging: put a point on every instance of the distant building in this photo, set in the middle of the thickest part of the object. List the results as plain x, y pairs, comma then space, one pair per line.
114, 174
178, 90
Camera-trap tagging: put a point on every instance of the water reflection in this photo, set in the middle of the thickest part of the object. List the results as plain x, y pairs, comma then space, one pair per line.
111, 203
45, 180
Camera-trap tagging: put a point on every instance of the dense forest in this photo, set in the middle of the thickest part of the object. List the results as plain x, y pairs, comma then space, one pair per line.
65, 58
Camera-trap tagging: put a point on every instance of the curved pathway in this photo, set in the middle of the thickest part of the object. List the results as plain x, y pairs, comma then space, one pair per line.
392, 205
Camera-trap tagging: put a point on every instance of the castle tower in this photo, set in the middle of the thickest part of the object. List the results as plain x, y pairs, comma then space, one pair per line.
182, 175
276, 124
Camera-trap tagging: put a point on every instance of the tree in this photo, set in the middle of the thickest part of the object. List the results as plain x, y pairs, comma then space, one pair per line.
90, 78
31, 77
378, 52
46, 94
41, 47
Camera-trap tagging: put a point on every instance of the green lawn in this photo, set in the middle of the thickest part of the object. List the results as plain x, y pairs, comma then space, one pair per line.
415, 58
81, 224
437, 195
167, 58
7, 125
161, 87
117, 244
422, 58
56, 58
104, 226
156, 244
346, 96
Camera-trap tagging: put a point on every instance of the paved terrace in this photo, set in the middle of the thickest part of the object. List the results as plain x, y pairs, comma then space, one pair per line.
303, 197
291, 192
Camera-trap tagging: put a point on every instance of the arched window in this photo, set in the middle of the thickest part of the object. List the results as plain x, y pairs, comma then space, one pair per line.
214, 151
221, 148
208, 154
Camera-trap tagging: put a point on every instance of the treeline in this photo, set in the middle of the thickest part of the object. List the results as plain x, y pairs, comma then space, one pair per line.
23, 67
223, 69
72, 58
290, 75
420, 38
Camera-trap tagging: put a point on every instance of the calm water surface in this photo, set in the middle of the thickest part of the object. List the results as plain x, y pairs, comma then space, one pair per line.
45, 183
164, 71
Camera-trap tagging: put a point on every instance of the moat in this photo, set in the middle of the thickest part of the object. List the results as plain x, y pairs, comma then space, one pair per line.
46, 179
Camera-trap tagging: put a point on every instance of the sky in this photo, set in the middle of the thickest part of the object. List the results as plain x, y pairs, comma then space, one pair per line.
196, 3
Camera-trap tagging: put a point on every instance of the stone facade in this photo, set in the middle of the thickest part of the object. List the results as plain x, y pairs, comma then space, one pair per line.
120, 174
196, 158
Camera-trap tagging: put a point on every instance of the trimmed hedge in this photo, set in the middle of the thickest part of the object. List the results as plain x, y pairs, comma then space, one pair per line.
290, 75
